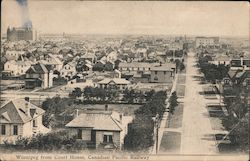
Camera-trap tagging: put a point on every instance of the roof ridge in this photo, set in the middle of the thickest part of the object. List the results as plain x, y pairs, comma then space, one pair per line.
18, 111
115, 122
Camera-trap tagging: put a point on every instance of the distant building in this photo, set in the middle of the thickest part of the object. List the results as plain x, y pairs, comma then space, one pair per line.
39, 75
20, 33
68, 70
13, 54
240, 63
206, 41
20, 118
16, 68
114, 83
164, 73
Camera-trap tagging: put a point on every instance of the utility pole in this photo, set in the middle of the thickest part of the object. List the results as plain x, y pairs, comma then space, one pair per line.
157, 132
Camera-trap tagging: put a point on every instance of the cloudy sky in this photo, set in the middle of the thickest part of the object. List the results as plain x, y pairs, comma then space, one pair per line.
141, 17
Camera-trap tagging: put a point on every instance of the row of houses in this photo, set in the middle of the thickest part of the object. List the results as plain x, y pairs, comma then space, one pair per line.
102, 129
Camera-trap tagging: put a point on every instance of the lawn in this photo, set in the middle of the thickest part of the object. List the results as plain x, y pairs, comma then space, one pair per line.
175, 120
127, 109
180, 90
216, 115
170, 143
181, 79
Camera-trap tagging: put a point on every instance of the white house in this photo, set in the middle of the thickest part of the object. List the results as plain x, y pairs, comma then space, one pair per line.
68, 70
20, 118
16, 68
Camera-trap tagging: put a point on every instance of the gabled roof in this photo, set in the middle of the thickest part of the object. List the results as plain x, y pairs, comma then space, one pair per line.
115, 80
232, 73
38, 68
99, 120
14, 111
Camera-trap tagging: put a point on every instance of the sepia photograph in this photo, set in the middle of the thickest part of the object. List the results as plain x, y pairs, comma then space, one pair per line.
124, 80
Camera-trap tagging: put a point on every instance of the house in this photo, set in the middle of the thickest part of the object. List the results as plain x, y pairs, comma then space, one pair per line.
68, 70
240, 63
114, 83
39, 75
88, 56
237, 82
13, 54
53, 61
220, 59
20, 118
16, 68
164, 73
111, 57
136, 66
100, 129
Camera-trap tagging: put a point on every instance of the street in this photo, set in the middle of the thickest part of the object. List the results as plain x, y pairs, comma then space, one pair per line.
197, 134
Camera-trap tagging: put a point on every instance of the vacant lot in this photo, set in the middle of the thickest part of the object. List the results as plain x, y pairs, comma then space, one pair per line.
181, 79
216, 115
175, 120
170, 144
127, 109
180, 90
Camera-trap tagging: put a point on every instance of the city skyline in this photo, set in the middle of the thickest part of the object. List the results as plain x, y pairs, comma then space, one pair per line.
140, 17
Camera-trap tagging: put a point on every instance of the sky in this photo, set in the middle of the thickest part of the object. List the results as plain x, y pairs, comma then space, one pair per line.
129, 17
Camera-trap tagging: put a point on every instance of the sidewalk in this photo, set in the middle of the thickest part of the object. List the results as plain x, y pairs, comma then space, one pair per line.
164, 120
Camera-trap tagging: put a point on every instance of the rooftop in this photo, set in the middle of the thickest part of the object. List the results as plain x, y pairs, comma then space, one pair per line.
14, 111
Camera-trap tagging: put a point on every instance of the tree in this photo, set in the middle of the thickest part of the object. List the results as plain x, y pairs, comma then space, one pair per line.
88, 92
140, 134
54, 107
173, 102
149, 94
77, 92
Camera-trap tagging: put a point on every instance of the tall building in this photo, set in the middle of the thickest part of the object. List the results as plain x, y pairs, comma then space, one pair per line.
19, 33
205, 41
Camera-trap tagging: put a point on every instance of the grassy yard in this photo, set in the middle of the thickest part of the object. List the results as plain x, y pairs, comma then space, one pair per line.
170, 144
127, 109
181, 79
175, 120
180, 90
215, 116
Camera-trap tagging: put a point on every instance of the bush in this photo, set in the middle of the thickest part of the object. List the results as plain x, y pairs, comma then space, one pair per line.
51, 141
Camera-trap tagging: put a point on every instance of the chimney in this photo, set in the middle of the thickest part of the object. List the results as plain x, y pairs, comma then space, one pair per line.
27, 99
121, 118
76, 113
241, 61
27, 106
106, 107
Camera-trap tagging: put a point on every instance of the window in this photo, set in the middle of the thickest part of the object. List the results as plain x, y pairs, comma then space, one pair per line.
34, 123
155, 72
15, 130
3, 129
79, 134
107, 138
165, 72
